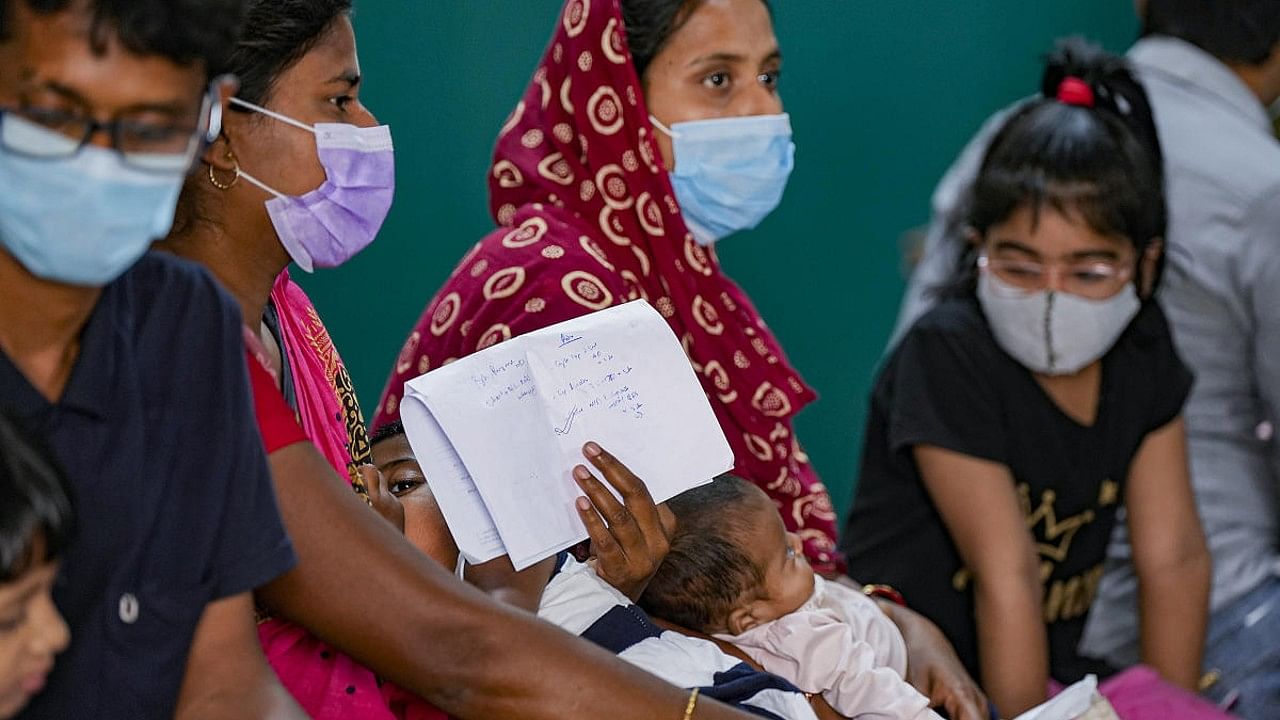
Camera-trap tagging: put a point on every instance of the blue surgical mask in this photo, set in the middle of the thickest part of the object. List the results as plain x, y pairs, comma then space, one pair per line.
730, 172
86, 219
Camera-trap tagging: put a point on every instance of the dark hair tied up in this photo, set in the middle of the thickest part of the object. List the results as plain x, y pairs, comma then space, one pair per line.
1100, 160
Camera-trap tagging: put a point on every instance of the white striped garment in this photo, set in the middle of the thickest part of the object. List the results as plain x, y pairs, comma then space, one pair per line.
578, 601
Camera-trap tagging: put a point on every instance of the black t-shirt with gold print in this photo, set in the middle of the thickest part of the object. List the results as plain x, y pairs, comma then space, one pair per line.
948, 384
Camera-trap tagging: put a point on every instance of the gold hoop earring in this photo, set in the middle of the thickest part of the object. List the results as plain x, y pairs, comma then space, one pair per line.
213, 179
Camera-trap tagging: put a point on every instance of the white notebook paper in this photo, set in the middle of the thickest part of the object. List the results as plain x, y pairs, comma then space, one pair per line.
499, 432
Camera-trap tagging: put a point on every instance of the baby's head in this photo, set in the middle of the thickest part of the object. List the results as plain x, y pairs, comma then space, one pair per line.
35, 526
424, 524
732, 564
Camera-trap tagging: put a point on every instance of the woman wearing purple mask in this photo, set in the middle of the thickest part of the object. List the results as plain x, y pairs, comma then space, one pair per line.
303, 173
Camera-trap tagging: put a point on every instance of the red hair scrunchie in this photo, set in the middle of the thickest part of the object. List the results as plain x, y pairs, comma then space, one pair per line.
1074, 91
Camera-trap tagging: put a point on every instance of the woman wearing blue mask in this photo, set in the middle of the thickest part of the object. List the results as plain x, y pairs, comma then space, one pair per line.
651, 131
1015, 419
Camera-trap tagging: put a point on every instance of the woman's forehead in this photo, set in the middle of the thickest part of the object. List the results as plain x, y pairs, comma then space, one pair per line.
731, 28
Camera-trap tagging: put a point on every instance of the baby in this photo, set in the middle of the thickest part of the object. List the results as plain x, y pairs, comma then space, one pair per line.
572, 596
734, 572
35, 524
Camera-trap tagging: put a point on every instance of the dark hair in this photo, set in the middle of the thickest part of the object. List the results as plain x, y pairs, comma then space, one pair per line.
651, 23
184, 31
1102, 162
395, 428
34, 503
1234, 31
707, 572
277, 33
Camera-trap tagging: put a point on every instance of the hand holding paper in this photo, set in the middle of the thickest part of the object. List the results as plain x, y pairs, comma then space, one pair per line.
630, 548
499, 432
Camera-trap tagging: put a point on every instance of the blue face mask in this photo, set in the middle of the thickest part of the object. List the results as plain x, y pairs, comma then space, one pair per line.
730, 172
86, 219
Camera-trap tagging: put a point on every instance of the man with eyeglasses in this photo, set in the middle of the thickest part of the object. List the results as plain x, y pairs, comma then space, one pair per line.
130, 365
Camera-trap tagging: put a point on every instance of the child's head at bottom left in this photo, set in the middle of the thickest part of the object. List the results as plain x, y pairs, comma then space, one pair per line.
36, 523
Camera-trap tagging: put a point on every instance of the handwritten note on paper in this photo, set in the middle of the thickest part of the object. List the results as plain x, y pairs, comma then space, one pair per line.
516, 416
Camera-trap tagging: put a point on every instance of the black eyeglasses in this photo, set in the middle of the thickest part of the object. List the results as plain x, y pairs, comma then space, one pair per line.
55, 134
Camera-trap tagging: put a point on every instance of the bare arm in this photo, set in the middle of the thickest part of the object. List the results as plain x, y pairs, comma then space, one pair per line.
445, 641
521, 589
227, 676
1170, 557
979, 506
933, 668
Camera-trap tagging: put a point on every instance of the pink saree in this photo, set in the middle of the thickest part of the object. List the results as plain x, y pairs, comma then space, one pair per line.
328, 684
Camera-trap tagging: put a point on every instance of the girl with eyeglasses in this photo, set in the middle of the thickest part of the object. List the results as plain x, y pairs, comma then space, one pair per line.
1038, 406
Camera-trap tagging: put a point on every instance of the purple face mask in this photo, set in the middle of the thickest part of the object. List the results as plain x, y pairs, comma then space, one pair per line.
329, 225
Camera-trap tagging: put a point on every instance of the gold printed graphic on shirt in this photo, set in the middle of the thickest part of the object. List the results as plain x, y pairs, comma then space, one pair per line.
1109, 493
1057, 534
1063, 599
1071, 598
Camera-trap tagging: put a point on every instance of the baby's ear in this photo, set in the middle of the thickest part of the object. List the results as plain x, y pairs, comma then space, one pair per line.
742, 619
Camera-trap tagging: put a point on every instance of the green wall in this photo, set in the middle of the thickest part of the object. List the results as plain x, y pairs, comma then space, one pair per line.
882, 96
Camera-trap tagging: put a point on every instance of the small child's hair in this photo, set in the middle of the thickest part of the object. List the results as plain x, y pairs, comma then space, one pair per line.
708, 571
34, 504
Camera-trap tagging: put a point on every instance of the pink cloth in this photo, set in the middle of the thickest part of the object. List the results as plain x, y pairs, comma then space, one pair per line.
587, 218
1140, 694
840, 644
327, 404
326, 683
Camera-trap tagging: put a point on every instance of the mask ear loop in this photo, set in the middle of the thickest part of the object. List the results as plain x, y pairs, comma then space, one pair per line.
665, 130
257, 183
273, 115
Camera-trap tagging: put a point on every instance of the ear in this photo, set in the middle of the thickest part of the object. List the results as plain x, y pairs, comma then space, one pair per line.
742, 619
219, 154
1150, 263
220, 157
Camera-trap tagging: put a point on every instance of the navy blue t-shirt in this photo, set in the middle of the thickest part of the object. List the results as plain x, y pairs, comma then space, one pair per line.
157, 436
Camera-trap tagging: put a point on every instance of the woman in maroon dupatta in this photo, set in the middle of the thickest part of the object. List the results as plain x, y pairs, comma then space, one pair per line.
588, 218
